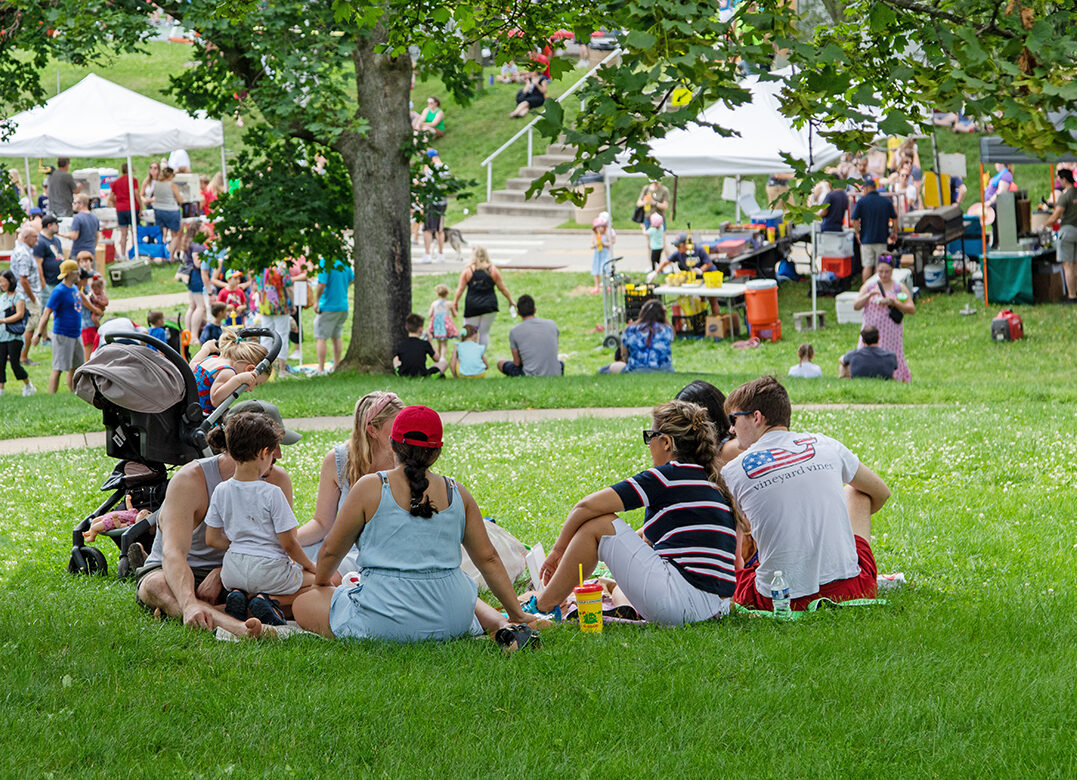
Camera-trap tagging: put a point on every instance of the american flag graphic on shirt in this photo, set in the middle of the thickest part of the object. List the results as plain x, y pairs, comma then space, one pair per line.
763, 462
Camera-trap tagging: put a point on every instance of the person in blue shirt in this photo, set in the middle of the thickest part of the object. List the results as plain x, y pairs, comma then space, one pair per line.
331, 310
875, 223
66, 302
156, 322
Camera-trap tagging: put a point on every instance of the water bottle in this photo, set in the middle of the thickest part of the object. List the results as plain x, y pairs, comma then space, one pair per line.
779, 596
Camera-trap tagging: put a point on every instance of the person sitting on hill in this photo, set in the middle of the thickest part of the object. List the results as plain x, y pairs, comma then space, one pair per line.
805, 368
869, 361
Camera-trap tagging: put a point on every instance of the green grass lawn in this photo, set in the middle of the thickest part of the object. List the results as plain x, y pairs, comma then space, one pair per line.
952, 358
968, 671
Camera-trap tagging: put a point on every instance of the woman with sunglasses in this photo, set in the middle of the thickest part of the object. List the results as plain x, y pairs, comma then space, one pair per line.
679, 567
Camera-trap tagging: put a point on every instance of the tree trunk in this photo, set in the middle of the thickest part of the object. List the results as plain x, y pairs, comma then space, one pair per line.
381, 195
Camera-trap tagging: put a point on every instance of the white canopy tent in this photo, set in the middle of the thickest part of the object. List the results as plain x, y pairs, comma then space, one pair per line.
97, 118
761, 135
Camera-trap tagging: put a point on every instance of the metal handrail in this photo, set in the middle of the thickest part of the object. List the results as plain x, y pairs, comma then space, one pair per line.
528, 128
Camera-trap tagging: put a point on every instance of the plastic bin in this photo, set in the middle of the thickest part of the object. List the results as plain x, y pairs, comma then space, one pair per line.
690, 326
761, 301
834, 244
839, 266
843, 308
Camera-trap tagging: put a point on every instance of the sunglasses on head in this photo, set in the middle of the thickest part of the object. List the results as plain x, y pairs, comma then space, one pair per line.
733, 417
649, 435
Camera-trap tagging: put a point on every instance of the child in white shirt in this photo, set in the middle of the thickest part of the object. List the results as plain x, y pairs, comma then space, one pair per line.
251, 519
805, 369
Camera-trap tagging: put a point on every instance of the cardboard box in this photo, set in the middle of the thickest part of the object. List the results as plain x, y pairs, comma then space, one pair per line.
1047, 283
723, 326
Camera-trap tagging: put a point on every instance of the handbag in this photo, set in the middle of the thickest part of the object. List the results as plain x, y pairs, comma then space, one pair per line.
17, 328
896, 315
637, 215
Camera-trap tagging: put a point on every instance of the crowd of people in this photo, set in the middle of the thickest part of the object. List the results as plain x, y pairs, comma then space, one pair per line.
734, 498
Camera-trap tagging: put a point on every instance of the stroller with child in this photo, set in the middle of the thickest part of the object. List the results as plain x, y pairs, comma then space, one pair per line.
153, 422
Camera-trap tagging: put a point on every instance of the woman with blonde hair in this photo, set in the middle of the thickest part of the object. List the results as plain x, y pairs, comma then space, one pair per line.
480, 307
366, 451
679, 567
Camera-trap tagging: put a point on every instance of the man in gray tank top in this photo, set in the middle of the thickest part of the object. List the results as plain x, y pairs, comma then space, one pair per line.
182, 574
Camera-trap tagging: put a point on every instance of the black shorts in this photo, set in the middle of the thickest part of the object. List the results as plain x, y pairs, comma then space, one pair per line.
656, 258
200, 573
434, 218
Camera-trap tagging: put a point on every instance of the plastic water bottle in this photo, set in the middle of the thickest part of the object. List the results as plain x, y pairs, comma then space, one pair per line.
779, 596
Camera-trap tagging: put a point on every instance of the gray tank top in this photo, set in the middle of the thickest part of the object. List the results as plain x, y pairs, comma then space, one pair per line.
163, 198
201, 554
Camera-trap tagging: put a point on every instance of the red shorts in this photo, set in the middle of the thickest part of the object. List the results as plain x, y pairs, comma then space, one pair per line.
863, 586
89, 336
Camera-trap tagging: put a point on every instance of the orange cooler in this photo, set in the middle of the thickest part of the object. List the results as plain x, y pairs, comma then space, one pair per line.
761, 301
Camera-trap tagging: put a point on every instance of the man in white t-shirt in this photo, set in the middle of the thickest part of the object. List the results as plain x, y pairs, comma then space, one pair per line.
808, 500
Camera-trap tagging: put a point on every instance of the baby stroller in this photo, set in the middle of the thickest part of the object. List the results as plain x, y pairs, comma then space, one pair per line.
153, 421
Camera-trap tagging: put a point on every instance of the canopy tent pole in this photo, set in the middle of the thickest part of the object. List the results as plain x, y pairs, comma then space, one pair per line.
224, 169
673, 206
738, 200
983, 229
812, 271
609, 197
938, 168
30, 192
134, 212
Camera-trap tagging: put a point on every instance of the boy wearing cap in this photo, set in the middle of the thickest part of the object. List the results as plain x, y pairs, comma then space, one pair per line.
66, 302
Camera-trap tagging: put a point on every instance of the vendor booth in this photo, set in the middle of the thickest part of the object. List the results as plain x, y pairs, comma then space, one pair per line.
1024, 256
97, 118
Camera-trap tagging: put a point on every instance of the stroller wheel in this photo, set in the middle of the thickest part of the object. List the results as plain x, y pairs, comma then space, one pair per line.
609, 342
95, 562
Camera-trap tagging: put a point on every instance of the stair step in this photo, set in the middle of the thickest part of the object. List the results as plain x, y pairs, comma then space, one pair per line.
534, 171
561, 149
527, 209
519, 196
524, 183
550, 160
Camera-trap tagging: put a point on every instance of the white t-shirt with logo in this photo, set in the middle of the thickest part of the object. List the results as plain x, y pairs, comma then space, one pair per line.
251, 514
790, 486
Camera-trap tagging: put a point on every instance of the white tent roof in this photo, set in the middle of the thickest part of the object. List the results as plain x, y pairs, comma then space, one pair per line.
96, 118
763, 133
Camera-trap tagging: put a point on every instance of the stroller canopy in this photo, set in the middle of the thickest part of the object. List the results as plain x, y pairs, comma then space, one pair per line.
131, 376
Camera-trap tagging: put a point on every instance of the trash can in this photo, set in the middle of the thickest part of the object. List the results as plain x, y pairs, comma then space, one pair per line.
596, 200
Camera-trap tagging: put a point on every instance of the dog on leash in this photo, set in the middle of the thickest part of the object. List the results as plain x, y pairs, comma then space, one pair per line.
456, 241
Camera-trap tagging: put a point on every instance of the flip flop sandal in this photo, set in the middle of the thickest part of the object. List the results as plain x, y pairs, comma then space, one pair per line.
235, 604
513, 638
267, 610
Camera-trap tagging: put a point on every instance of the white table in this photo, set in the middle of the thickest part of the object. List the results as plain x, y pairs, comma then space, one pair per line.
730, 292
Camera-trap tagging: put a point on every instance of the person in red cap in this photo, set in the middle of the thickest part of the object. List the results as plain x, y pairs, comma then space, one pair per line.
410, 523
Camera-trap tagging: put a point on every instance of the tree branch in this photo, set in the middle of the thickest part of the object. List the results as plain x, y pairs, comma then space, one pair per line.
935, 13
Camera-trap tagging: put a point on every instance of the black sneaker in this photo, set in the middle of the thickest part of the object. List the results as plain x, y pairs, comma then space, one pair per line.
267, 610
1069, 300
235, 604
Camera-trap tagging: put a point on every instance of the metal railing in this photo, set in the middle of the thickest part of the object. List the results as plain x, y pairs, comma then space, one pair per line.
528, 129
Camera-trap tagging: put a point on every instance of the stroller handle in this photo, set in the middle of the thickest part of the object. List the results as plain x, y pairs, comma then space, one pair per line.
262, 368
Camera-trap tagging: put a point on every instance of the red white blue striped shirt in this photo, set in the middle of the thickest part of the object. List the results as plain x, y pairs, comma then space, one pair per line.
688, 521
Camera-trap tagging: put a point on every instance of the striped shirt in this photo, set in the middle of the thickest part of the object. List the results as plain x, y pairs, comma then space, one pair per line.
688, 521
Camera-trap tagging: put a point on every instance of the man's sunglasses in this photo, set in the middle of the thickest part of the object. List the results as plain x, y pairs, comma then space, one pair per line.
649, 434
733, 417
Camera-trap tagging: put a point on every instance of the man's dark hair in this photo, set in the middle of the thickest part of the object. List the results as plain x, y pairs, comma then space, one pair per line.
1066, 175
47, 220
248, 433
525, 304
765, 395
217, 308
413, 322
62, 162
870, 335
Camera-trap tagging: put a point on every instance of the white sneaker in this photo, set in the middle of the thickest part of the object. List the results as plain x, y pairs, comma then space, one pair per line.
426, 259
441, 258
296, 355
28, 390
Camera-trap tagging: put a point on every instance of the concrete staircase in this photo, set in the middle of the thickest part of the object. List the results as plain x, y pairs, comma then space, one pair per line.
511, 201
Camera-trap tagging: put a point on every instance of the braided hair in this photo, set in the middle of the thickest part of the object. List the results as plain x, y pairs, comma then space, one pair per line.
416, 460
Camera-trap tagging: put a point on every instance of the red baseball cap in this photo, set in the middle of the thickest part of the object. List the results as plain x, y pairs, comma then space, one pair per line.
418, 425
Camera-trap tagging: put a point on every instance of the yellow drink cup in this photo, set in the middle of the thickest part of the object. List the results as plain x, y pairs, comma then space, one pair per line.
589, 607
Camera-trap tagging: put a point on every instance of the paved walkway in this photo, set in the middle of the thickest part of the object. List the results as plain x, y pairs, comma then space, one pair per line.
72, 441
